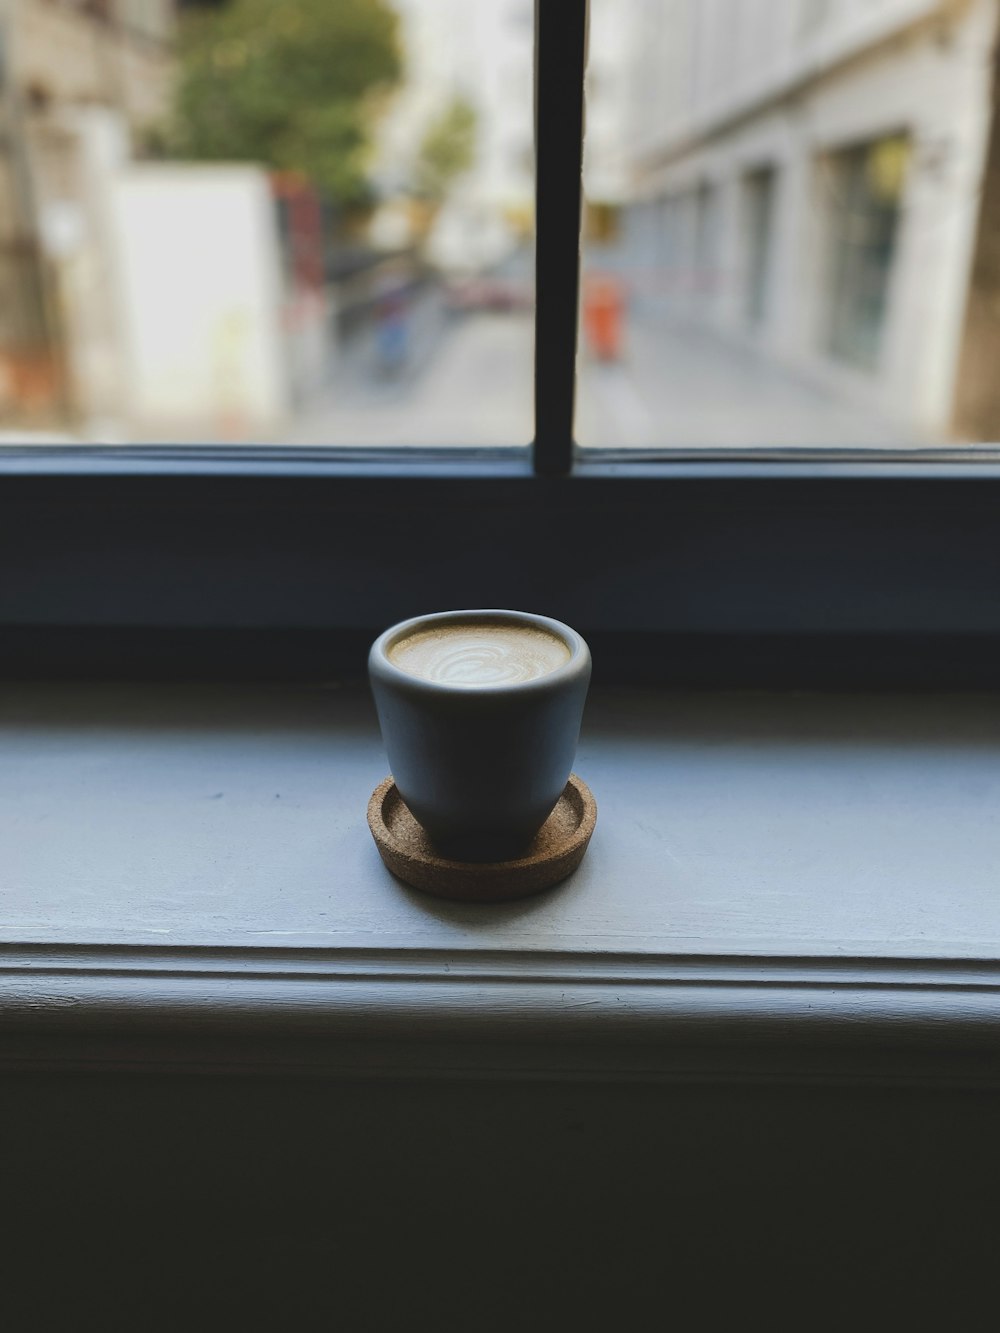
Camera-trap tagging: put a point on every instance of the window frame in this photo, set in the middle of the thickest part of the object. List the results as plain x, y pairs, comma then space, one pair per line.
829, 568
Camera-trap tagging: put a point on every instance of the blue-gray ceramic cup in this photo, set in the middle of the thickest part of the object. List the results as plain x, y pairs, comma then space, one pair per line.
481, 741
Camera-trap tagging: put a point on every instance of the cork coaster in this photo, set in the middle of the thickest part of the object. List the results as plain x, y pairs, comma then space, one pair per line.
554, 853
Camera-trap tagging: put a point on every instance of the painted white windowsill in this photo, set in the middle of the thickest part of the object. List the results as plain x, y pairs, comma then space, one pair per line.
779, 886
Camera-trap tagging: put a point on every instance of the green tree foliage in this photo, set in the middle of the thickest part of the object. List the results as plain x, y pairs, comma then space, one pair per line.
290, 83
448, 149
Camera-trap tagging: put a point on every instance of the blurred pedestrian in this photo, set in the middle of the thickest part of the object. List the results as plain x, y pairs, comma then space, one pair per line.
391, 325
603, 316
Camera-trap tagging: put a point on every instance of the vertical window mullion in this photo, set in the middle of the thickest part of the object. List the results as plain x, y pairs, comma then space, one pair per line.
560, 60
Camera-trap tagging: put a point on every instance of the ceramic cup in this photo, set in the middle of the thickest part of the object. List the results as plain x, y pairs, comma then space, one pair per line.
480, 765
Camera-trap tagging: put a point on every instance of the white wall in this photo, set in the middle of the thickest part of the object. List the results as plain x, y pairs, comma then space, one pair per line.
199, 285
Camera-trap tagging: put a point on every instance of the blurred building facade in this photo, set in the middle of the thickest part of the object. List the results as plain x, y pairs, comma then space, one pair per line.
482, 53
806, 177
80, 79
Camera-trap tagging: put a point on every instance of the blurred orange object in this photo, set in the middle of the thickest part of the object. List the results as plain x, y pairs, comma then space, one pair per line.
29, 381
603, 316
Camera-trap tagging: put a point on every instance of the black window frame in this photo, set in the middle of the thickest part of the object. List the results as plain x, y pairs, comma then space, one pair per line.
832, 568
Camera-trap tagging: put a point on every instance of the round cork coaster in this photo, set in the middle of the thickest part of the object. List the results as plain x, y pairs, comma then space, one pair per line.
554, 853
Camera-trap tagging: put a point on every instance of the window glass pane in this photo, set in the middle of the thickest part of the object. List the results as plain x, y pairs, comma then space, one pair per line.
790, 223
238, 220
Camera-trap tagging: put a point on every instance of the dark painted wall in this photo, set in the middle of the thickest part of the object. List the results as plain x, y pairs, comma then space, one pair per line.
229, 1203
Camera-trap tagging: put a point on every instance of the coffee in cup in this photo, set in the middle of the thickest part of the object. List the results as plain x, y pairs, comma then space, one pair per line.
479, 654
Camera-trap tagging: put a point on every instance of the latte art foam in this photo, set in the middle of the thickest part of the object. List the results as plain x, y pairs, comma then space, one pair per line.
479, 654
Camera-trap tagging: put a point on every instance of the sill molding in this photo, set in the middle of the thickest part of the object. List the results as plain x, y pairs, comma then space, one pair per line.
470, 1014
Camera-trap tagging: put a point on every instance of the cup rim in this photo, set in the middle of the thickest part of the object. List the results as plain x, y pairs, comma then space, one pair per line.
378, 658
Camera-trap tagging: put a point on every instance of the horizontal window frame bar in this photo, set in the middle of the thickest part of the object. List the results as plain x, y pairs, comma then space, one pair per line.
239, 462
817, 556
337, 464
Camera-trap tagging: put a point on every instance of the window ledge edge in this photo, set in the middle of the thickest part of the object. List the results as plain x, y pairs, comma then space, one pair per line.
479, 1014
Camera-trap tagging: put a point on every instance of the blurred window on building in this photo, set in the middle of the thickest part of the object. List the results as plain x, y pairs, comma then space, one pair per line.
758, 204
707, 220
806, 196
864, 187
239, 222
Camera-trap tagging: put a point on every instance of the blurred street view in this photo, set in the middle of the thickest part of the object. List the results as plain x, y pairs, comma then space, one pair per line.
311, 223
795, 207
230, 220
